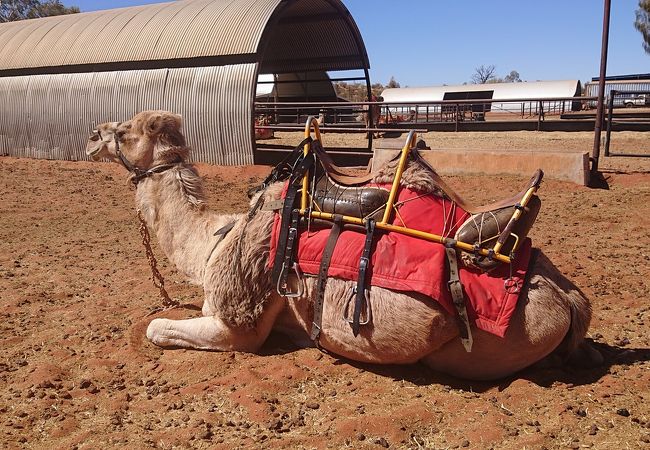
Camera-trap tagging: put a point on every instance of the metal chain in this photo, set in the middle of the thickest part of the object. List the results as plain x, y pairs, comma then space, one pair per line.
157, 278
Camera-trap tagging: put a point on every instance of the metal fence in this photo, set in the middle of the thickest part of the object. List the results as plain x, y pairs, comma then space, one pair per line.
418, 113
624, 98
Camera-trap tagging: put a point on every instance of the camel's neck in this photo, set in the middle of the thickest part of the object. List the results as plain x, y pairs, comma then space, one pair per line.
172, 206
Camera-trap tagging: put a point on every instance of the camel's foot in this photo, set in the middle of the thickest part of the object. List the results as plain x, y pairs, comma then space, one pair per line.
585, 357
190, 333
204, 333
212, 333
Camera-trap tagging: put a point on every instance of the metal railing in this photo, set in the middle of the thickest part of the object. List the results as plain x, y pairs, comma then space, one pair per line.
611, 121
413, 113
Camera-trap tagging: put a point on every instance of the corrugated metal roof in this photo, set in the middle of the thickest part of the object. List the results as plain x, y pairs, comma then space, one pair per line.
314, 35
301, 35
183, 29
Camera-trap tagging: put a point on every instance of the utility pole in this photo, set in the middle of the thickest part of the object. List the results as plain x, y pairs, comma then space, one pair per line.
601, 90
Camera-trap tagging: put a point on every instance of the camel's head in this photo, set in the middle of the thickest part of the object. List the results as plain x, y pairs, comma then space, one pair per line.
150, 138
101, 139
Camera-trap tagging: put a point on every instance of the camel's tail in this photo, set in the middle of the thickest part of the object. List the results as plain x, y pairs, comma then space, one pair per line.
575, 350
580, 319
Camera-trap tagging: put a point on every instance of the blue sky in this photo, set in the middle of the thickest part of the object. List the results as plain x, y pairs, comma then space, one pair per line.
431, 42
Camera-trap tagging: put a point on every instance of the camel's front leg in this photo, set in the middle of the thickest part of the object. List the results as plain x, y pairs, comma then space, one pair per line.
212, 333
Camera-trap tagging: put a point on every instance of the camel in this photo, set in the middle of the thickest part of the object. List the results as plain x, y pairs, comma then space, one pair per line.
371, 115
241, 306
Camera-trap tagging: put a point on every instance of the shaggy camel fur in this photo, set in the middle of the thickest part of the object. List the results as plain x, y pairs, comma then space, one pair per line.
241, 306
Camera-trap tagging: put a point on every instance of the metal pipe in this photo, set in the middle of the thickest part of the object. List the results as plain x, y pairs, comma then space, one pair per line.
369, 96
601, 88
418, 234
438, 102
326, 128
610, 113
306, 80
410, 143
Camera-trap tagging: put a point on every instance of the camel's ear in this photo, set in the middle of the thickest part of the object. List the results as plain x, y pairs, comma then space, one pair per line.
163, 122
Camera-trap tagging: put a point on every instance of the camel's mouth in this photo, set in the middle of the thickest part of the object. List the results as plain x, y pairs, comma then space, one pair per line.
94, 153
95, 145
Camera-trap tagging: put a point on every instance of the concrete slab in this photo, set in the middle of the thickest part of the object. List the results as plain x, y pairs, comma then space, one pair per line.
566, 166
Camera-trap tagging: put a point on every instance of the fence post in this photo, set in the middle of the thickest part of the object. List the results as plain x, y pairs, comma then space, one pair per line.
610, 114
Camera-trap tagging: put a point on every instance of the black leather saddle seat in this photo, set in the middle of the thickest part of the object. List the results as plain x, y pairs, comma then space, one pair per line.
345, 191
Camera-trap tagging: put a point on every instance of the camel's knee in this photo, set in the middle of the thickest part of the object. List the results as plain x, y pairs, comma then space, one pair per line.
206, 310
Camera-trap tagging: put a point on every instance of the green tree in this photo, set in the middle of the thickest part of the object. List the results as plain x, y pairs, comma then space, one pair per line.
512, 77
12, 10
393, 83
642, 23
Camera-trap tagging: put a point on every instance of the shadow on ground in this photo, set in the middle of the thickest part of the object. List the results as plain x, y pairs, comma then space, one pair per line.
421, 375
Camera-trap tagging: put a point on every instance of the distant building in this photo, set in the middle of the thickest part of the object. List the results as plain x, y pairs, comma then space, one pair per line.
507, 94
623, 83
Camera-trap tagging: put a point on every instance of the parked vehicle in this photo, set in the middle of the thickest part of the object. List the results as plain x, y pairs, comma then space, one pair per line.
639, 100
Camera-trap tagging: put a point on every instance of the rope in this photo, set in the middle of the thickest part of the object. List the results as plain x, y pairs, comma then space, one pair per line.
157, 278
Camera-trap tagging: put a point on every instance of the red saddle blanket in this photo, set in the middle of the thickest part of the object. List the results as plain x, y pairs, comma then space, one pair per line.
405, 263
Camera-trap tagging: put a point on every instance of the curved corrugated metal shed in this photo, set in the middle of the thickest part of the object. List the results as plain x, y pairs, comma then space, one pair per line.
199, 58
499, 91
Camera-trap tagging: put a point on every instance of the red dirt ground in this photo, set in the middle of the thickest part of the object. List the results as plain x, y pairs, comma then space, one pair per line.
76, 370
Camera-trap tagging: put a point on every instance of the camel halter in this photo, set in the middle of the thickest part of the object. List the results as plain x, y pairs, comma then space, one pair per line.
138, 174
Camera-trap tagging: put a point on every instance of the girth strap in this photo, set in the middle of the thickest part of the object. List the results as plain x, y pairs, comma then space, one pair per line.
326, 259
361, 293
456, 289
284, 257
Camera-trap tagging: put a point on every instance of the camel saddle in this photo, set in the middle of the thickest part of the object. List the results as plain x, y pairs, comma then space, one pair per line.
351, 192
347, 192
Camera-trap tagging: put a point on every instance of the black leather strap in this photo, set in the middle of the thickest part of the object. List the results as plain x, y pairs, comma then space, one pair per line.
364, 264
456, 290
322, 275
284, 169
282, 255
289, 252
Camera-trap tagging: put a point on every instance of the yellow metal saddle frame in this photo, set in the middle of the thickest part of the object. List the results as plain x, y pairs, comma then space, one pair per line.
493, 253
